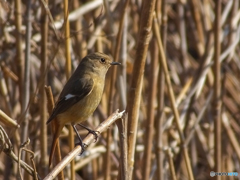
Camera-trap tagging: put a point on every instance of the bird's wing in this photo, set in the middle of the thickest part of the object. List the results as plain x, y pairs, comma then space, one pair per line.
81, 88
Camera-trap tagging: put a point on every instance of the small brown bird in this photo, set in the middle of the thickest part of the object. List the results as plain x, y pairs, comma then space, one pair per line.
81, 95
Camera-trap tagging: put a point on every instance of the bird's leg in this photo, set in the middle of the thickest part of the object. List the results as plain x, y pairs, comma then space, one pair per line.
80, 140
90, 131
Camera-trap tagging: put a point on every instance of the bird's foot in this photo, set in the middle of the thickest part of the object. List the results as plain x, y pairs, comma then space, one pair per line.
83, 146
95, 133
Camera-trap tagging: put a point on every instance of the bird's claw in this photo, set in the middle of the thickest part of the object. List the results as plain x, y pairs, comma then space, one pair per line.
94, 133
91, 131
83, 146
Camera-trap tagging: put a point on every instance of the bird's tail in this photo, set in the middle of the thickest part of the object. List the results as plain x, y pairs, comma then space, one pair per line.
57, 128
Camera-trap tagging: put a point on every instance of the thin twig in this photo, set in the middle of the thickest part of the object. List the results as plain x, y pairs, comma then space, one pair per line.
23, 147
6, 147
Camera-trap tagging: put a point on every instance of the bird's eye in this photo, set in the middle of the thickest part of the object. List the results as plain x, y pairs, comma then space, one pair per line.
102, 60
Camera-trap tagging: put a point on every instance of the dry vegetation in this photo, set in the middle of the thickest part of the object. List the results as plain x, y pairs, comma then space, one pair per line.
179, 84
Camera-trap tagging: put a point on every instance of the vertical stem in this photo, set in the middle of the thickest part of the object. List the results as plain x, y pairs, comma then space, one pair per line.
122, 75
81, 47
137, 77
107, 158
195, 8
146, 168
173, 103
19, 52
116, 54
26, 82
4, 92
217, 90
122, 127
50, 106
67, 40
171, 164
112, 84
160, 95
107, 170
68, 74
182, 33
43, 109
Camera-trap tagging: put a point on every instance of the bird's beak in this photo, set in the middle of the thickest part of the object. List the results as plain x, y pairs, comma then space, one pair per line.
115, 63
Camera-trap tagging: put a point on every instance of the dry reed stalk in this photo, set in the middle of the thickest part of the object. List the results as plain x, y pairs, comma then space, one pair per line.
113, 79
19, 49
195, 10
217, 91
137, 78
109, 138
200, 116
26, 82
233, 140
204, 144
122, 75
5, 93
172, 100
81, 45
160, 92
107, 157
182, 34
50, 106
116, 54
43, 108
147, 155
171, 164
8, 121
8, 72
122, 126
68, 70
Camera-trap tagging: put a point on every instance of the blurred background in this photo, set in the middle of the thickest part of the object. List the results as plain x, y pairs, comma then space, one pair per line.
178, 82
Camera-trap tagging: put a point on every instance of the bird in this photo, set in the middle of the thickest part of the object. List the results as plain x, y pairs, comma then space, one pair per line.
80, 96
